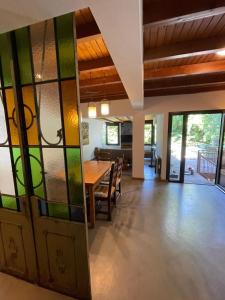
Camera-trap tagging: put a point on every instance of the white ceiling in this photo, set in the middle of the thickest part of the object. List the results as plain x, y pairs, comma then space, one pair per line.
120, 22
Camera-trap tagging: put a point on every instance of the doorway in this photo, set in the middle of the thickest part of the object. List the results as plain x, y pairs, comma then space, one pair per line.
194, 139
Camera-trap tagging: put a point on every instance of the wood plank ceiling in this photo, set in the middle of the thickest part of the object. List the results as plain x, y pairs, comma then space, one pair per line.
98, 76
181, 40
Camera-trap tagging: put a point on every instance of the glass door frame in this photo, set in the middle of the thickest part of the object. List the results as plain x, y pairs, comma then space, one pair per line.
220, 154
184, 139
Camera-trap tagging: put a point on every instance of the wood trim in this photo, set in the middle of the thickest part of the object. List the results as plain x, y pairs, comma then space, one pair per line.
185, 49
162, 13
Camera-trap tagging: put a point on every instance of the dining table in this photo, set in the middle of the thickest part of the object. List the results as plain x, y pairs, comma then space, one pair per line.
94, 172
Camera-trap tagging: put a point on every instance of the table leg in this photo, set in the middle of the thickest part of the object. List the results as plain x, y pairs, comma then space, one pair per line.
92, 206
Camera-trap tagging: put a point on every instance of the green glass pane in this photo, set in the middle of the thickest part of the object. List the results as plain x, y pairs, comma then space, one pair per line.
24, 55
58, 210
65, 44
19, 171
9, 202
74, 176
36, 172
5, 53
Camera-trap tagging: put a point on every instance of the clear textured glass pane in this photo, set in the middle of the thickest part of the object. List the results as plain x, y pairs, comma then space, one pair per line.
74, 176
36, 171
3, 129
24, 55
65, 43
6, 174
71, 121
176, 147
55, 178
43, 50
50, 116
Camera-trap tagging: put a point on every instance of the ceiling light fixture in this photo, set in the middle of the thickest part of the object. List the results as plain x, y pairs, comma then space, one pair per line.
221, 52
92, 110
104, 107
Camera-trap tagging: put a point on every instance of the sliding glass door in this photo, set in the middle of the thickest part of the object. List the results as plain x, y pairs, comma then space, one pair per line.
221, 168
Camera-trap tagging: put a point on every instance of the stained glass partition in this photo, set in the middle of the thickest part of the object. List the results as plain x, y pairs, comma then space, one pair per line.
49, 95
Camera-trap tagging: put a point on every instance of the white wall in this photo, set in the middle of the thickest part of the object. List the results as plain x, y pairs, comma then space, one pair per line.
163, 105
95, 137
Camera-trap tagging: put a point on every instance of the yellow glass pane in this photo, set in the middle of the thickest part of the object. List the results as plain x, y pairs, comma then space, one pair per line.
10, 103
30, 115
70, 115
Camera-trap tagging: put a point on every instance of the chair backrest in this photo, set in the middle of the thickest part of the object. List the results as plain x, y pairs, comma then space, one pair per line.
120, 167
105, 156
113, 177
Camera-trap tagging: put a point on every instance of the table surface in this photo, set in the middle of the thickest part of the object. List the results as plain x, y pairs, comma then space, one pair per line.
94, 170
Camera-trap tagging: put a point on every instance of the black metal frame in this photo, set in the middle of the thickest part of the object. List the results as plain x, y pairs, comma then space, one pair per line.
115, 124
153, 132
185, 115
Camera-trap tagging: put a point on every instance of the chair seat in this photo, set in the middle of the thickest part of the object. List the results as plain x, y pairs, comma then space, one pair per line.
102, 191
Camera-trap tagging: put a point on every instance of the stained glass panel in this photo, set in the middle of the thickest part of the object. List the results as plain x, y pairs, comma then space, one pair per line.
50, 115
10, 103
3, 129
36, 171
71, 121
65, 43
5, 54
24, 55
19, 171
55, 178
74, 176
9, 202
43, 50
30, 115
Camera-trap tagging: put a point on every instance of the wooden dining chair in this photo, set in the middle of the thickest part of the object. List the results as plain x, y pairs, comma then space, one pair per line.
119, 175
107, 192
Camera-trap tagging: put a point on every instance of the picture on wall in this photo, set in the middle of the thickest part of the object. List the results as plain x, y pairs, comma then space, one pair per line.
85, 133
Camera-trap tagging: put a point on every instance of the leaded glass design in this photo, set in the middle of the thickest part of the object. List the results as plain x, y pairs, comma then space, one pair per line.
47, 138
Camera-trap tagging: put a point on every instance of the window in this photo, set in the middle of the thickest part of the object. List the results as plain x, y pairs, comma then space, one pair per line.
112, 133
149, 133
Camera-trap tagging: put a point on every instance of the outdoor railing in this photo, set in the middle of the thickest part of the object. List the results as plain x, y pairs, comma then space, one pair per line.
206, 163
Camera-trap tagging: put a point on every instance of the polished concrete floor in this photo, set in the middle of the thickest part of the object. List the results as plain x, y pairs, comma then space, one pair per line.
166, 242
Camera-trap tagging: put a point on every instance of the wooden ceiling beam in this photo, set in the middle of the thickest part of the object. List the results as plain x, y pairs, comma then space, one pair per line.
185, 49
184, 90
102, 90
110, 97
100, 81
184, 70
87, 31
96, 64
160, 13
194, 80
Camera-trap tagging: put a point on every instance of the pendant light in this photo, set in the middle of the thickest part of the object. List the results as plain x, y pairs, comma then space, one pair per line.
104, 103
92, 110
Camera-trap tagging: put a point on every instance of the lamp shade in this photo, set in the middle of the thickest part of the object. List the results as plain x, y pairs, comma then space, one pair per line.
92, 111
105, 108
